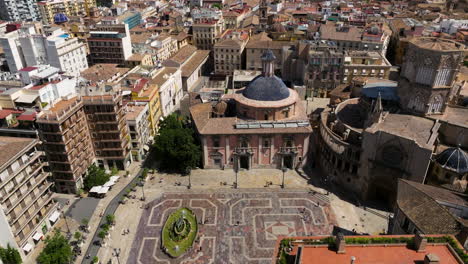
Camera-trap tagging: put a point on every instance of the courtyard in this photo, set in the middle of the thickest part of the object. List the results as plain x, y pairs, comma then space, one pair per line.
235, 226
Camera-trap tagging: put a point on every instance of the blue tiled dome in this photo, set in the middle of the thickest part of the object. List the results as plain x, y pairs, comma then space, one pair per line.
454, 159
60, 18
264, 88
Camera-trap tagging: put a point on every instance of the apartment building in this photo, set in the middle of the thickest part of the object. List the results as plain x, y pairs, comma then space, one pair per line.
257, 46
66, 53
27, 209
207, 31
348, 37
110, 43
25, 47
143, 91
108, 129
137, 115
49, 8
229, 52
12, 48
165, 46
169, 81
365, 64
64, 132
19, 10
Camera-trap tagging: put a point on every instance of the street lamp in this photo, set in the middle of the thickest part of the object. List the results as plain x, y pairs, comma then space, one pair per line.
117, 254
66, 223
235, 170
188, 171
284, 171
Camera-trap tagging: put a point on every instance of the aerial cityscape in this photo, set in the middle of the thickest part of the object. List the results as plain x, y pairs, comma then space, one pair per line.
233, 131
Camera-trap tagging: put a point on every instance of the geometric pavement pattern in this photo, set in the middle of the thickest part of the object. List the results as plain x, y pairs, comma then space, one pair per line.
234, 226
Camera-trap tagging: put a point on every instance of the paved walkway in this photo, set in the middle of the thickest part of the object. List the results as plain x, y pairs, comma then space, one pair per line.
212, 181
96, 219
235, 226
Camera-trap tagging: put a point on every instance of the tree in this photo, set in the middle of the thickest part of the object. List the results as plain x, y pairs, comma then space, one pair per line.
10, 255
96, 176
175, 147
85, 222
57, 250
114, 171
77, 236
144, 173
95, 259
217, 5
110, 218
102, 234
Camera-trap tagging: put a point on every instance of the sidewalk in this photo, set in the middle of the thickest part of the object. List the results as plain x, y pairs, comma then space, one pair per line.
103, 203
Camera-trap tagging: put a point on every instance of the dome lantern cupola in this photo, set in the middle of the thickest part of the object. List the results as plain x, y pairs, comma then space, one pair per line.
268, 59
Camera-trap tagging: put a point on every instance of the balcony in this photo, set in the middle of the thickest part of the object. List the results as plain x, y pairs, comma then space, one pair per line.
288, 150
14, 217
44, 202
48, 208
34, 170
36, 155
244, 150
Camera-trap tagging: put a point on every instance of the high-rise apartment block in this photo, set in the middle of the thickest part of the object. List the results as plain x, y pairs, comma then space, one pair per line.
80, 131
49, 8
27, 210
109, 132
24, 48
67, 143
19, 10
110, 43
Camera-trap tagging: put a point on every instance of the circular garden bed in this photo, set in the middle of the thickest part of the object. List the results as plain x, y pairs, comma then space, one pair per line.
179, 232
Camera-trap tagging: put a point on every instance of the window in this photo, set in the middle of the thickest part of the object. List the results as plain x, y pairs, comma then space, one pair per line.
266, 143
216, 142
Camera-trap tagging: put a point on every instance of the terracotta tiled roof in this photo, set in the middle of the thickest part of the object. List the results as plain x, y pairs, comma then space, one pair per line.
428, 216
192, 64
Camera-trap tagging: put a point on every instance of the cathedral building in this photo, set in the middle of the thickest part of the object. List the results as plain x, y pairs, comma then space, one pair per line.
407, 131
428, 74
263, 125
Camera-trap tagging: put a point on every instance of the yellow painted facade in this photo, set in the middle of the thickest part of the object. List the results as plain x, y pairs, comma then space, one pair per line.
68, 7
151, 95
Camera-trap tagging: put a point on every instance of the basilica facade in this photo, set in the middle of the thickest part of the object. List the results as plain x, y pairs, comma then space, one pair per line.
263, 125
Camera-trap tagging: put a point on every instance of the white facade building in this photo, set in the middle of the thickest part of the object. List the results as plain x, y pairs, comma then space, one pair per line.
66, 53
169, 81
19, 10
24, 48
451, 26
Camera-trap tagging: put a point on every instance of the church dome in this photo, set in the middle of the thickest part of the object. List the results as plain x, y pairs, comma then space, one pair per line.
60, 18
454, 159
267, 87
264, 88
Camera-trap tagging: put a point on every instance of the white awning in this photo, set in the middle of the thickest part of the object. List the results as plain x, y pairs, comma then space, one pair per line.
26, 98
37, 236
103, 190
126, 92
27, 247
109, 184
114, 178
145, 147
95, 189
53, 218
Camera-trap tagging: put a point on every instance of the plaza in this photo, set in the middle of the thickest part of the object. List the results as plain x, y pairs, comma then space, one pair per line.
234, 226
